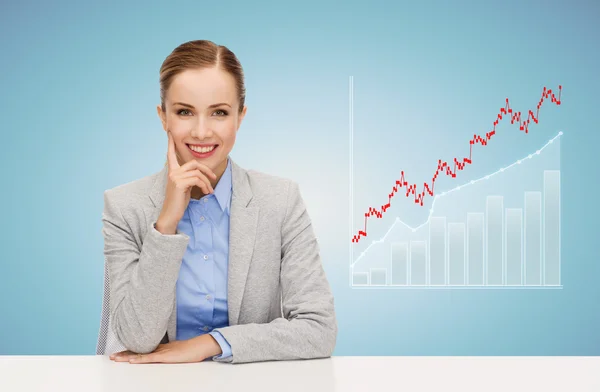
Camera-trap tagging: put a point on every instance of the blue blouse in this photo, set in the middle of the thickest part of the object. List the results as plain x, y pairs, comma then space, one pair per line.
202, 281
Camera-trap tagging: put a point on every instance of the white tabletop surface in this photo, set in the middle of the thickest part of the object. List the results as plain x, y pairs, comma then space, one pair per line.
440, 374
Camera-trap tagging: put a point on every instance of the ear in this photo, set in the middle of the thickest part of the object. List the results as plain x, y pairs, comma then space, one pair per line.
162, 117
242, 115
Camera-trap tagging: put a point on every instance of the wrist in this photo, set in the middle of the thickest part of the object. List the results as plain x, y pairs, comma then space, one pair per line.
164, 228
212, 346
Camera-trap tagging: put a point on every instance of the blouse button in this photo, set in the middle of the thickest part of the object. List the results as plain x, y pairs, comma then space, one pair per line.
205, 257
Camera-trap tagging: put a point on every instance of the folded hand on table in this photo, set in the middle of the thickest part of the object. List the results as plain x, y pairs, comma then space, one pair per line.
181, 351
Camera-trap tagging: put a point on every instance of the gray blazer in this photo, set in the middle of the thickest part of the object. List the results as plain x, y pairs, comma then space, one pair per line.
279, 300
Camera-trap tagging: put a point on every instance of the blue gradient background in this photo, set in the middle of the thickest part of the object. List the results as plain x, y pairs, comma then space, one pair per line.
80, 86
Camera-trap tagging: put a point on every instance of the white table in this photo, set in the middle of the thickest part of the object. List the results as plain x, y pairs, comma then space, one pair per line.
365, 374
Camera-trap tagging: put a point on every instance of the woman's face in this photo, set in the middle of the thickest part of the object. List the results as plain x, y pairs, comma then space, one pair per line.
202, 109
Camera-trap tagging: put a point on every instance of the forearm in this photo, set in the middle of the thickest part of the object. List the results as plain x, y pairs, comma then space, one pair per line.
143, 290
303, 337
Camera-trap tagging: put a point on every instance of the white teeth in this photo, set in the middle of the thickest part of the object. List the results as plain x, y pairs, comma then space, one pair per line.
202, 149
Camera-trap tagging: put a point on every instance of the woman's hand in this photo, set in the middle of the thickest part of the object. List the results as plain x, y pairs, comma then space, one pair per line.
181, 180
181, 351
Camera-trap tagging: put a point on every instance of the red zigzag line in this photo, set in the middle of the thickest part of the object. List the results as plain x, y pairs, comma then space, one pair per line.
444, 167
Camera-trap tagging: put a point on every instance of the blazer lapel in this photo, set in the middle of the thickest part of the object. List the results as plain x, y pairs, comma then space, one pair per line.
242, 233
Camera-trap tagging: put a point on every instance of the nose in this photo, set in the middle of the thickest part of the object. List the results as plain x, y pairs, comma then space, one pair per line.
201, 129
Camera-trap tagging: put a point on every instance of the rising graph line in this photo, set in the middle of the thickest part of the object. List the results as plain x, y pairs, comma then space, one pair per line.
436, 197
444, 167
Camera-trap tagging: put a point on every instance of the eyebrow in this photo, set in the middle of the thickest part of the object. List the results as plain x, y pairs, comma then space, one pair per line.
192, 107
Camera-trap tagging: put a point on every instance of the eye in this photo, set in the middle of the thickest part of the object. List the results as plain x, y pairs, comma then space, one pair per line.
180, 112
224, 113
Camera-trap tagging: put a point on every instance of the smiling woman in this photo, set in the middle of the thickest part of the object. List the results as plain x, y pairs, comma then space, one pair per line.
202, 103
205, 259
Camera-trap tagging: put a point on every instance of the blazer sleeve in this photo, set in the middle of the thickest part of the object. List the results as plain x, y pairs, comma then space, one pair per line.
142, 279
308, 328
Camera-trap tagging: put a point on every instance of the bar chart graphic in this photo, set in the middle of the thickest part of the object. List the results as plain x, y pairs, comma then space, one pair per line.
499, 231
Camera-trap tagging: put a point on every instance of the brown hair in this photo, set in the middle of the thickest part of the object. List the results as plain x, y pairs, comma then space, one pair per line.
201, 54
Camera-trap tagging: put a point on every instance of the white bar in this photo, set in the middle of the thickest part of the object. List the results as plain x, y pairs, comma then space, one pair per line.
494, 238
399, 254
551, 227
475, 248
378, 276
418, 263
360, 279
533, 239
456, 253
437, 250
514, 246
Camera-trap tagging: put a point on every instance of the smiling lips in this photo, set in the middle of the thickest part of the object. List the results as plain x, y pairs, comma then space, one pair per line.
202, 151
